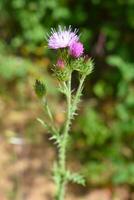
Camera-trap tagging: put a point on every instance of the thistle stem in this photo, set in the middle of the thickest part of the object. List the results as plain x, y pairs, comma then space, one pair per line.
71, 108
77, 95
62, 152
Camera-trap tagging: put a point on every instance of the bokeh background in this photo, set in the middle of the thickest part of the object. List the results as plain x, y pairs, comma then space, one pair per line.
102, 143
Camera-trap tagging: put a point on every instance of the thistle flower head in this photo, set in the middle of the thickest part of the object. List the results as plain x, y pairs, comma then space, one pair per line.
76, 49
62, 38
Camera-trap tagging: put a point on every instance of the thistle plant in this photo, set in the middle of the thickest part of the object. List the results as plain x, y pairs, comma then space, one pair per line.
70, 57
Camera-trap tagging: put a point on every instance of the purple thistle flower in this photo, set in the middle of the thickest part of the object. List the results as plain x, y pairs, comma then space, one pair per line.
60, 63
62, 38
76, 49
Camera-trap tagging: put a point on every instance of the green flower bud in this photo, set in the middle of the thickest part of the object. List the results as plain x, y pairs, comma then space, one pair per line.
89, 66
83, 65
40, 88
61, 74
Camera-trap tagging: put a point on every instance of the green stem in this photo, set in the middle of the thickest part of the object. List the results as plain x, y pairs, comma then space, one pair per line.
62, 152
77, 95
71, 108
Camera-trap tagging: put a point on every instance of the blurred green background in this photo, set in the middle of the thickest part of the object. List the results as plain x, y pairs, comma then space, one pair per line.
103, 133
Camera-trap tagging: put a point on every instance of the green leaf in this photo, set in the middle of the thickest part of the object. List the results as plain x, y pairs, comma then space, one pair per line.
76, 178
42, 123
57, 140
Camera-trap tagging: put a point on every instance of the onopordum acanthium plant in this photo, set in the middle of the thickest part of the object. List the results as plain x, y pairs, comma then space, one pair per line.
70, 53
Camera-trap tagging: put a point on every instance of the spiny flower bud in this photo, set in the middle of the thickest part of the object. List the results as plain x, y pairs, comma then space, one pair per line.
39, 88
89, 65
61, 75
83, 65
60, 63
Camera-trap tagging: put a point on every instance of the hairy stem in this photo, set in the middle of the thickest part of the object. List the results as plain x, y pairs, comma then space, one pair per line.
71, 108
62, 152
77, 96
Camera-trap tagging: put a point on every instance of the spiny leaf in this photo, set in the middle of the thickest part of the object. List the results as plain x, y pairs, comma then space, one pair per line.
46, 125
76, 178
57, 139
42, 122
